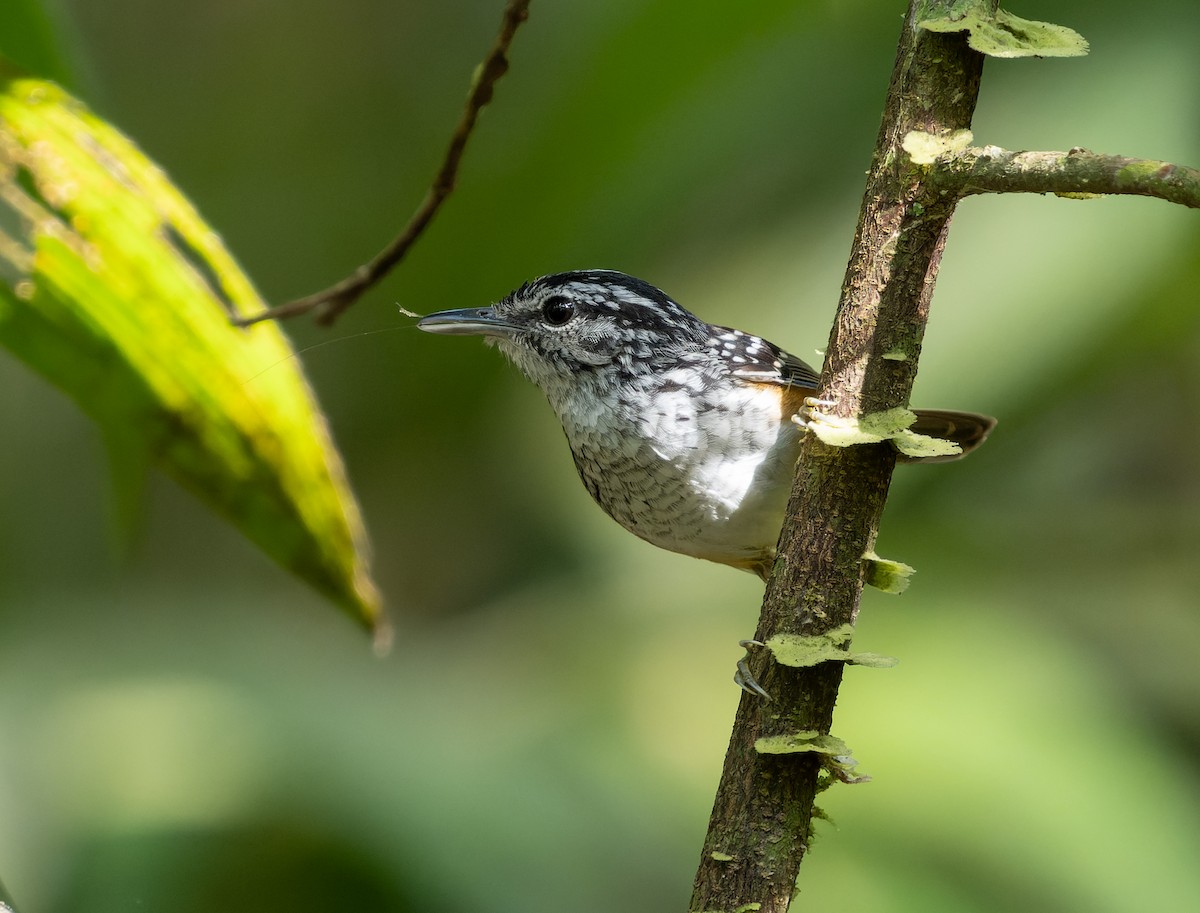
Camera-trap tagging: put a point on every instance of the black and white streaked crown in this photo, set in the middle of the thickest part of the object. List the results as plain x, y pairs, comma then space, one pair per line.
633, 303
619, 320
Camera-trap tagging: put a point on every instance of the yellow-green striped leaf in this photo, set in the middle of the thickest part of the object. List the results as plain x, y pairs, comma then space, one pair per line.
114, 288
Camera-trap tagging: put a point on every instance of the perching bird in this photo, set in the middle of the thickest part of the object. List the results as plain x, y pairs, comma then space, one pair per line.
681, 430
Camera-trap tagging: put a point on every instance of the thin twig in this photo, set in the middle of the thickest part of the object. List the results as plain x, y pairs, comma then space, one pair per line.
334, 300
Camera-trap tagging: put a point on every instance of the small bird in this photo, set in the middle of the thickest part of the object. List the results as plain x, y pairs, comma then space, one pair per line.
681, 430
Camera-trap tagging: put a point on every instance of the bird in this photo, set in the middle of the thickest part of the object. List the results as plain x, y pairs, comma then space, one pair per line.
686, 433
681, 430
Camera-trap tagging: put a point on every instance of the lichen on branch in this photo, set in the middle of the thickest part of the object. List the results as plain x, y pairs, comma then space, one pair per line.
999, 33
959, 169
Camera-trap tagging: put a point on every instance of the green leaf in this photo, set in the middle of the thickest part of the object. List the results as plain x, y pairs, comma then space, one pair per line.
1006, 35
114, 289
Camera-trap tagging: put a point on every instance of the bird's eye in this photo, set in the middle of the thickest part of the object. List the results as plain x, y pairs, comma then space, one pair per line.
557, 310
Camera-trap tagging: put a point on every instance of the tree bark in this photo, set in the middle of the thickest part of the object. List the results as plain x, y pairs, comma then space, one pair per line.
762, 815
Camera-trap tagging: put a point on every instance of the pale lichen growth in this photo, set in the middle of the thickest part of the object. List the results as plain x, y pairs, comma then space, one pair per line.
889, 576
839, 431
925, 148
916, 445
890, 425
833, 646
802, 741
835, 754
1004, 35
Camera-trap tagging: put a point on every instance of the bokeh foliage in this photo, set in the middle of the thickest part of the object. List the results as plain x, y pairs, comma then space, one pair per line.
549, 730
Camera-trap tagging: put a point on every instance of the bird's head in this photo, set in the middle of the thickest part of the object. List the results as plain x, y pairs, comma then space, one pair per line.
559, 328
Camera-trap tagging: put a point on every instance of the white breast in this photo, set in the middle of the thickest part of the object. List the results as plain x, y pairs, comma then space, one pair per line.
705, 479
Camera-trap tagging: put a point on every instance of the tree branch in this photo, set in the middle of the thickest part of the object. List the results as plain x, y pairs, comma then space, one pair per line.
762, 815
975, 170
337, 298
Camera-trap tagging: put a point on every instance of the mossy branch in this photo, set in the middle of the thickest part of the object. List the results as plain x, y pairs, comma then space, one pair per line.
763, 812
1078, 173
923, 165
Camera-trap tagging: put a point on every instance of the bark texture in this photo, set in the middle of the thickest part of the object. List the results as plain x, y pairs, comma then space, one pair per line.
762, 816
1078, 172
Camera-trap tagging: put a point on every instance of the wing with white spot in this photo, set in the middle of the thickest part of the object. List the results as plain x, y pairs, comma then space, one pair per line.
755, 359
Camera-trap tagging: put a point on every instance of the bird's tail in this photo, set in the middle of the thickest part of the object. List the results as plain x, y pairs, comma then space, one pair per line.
967, 429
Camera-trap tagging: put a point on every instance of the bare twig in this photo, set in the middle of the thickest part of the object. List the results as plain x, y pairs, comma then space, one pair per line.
334, 300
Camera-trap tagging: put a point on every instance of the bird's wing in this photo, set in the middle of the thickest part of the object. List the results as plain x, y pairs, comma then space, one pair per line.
754, 359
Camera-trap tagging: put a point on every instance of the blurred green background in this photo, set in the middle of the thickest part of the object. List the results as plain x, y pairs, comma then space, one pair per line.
185, 727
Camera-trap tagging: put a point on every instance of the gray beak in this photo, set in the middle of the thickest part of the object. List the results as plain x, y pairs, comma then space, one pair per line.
467, 322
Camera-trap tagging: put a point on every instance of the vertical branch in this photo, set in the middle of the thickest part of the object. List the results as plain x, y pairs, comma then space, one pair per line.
762, 815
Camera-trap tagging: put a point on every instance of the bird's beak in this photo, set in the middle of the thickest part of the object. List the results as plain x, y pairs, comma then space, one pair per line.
467, 322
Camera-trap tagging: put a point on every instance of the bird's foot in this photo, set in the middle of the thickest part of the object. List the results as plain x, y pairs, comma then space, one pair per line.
743, 677
812, 412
